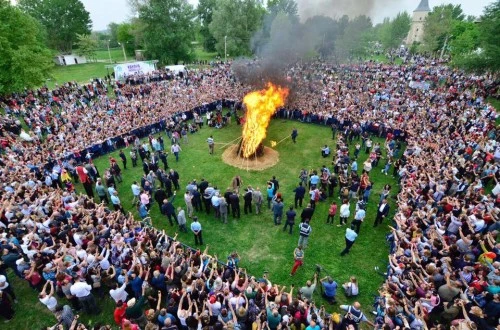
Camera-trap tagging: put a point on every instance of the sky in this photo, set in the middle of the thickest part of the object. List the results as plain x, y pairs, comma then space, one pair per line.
103, 12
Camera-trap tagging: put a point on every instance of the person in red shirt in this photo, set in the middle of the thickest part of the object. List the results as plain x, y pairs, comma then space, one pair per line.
331, 213
119, 313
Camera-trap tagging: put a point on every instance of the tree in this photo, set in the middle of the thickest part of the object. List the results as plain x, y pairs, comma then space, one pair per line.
25, 61
87, 46
168, 29
63, 20
125, 36
322, 31
485, 56
354, 39
438, 26
465, 38
236, 21
113, 34
205, 11
287, 7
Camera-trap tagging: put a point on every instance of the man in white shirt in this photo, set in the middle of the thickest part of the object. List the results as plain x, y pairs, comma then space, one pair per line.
83, 291
136, 191
119, 293
48, 299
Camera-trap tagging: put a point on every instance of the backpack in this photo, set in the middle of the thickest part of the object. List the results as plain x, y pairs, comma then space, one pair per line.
316, 195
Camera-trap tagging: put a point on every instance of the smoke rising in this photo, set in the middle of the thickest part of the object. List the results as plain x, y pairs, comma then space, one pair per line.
338, 8
284, 39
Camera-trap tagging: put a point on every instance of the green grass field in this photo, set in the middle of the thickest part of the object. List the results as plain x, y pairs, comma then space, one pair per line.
80, 73
116, 55
201, 55
262, 246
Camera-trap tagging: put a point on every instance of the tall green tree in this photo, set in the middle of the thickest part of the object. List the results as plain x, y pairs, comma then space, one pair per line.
64, 20
287, 7
322, 31
113, 34
205, 11
125, 36
465, 38
168, 29
25, 61
234, 22
354, 39
439, 24
397, 31
487, 38
87, 46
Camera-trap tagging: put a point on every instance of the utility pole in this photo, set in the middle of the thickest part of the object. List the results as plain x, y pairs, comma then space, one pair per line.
444, 47
123, 48
109, 53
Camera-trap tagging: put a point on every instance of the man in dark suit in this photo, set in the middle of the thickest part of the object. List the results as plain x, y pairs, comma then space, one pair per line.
300, 192
307, 213
382, 212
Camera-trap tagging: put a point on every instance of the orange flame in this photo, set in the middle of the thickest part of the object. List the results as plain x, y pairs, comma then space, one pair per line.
260, 105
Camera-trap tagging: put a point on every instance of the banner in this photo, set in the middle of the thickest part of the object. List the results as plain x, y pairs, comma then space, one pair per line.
419, 85
128, 69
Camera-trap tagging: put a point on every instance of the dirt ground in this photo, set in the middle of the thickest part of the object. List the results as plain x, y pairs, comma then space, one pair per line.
269, 159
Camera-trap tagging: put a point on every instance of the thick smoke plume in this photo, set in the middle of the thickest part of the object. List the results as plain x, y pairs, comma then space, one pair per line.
286, 39
338, 8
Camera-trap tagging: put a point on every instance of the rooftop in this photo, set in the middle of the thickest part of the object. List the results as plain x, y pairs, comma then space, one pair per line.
423, 6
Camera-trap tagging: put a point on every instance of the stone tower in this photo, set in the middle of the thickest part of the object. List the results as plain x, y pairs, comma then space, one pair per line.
418, 20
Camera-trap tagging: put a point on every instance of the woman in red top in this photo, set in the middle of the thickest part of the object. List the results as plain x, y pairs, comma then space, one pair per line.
119, 313
331, 213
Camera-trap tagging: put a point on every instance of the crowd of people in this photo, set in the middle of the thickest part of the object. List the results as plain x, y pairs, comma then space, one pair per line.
444, 268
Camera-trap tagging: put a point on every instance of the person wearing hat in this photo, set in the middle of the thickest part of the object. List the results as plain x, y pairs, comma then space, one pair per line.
6, 287
196, 229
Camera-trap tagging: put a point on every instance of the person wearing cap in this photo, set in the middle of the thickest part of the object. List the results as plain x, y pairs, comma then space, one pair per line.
196, 229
